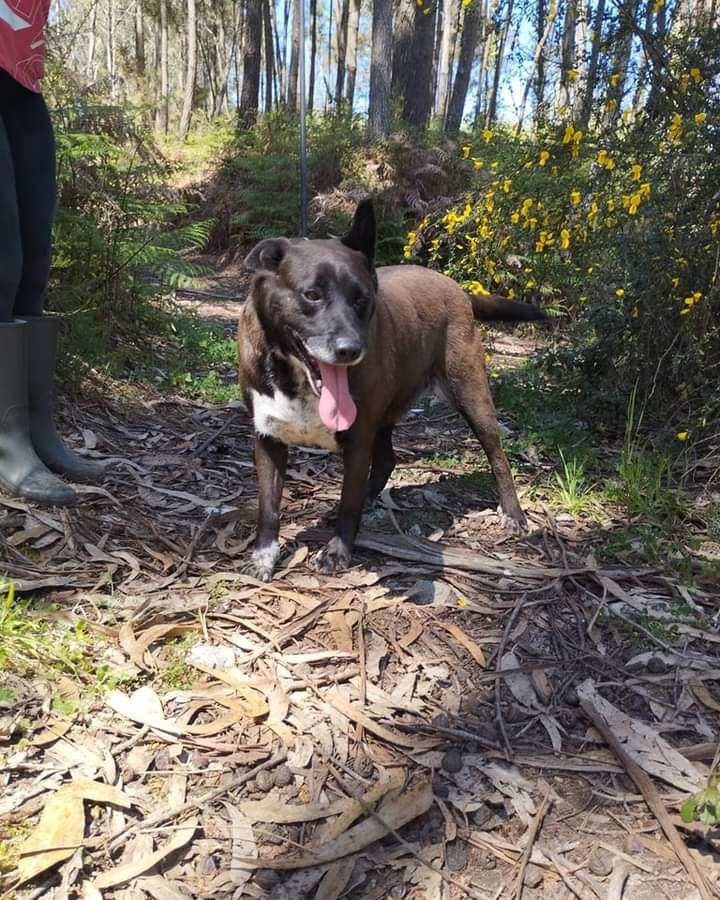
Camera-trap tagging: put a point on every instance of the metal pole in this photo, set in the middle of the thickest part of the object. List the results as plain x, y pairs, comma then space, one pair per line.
303, 127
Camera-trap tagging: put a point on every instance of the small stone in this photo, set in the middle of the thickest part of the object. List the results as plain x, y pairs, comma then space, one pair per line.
456, 856
266, 878
283, 776
206, 866
600, 863
363, 765
398, 891
440, 787
656, 666
633, 844
264, 781
482, 816
533, 876
486, 861
452, 761
441, 720
570, 696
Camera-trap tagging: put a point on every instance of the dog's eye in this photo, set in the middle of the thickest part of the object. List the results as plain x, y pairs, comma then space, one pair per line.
311, 296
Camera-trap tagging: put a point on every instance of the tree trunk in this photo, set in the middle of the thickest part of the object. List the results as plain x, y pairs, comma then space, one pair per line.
541, 24
191, 71
252, 41
403, 33
292, 90
90, 67
313, 53
139, 39
581, 37
353, 35
623, 48
657, 62
269, 55
279, 57
380, 70
536, 62
342, 42
161, 114
592, 73
468, 45
110, 48
567, 58
443, 79
418, 98
481, 93
499, 59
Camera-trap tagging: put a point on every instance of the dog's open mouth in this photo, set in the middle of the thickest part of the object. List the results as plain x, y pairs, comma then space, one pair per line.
330, 384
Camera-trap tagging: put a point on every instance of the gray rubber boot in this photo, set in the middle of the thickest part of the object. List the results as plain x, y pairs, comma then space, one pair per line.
42, 337
22, 472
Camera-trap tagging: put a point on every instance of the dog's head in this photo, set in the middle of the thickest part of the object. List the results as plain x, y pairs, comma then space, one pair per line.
315, 298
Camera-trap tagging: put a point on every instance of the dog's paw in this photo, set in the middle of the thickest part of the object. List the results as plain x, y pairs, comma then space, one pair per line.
334, 557
262, 562
514, 526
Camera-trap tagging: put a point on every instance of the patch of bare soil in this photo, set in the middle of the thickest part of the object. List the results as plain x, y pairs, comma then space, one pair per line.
437, 722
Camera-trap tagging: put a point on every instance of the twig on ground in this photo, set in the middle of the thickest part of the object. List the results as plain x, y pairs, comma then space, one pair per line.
527, 852
619, 876
174, 812
652, 798
498, 683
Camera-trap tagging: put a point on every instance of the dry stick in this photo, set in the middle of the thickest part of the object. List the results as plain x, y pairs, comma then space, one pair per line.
527, 852
565, 875
498, 683
621, 870
363, 669
652, 798
209, 797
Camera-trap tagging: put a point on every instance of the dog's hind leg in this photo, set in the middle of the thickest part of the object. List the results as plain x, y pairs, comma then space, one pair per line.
383, 463
468, 387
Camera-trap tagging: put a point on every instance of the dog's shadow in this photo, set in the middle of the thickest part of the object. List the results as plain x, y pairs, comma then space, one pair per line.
424, 508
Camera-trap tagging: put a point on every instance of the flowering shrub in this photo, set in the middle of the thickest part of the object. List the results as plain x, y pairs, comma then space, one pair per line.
618, 231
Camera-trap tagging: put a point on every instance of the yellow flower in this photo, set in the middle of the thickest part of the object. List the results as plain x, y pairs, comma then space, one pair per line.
602, 157
620, 292
568, 136
488, 135
611, 104
696, 75
515, 218
528, 165
611, 205
544, 157
700, 118
575, 197
635, 171
675, 281
572, 74
511, 293
615, 79
466, 151
635, 312
658, 5
675, 130
682, 435
507, 184
478, 163
564, 238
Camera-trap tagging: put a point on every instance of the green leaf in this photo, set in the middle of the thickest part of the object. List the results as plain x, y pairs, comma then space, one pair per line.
687, 810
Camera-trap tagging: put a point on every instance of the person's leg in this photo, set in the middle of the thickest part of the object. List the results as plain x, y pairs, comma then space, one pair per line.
32, 144
21, 471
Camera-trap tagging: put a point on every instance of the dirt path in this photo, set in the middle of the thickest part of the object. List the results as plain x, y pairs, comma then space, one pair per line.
441, 686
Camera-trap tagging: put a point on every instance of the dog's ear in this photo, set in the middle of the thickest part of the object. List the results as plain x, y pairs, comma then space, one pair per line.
267, 255
363, 231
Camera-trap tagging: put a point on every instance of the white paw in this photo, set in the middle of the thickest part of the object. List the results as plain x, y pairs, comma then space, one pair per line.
262, 562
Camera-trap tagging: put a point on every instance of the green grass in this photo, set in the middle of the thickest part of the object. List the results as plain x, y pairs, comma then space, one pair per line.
27, 640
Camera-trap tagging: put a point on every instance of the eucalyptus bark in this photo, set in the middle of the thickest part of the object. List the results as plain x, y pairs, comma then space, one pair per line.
468, 45
191, 71
380, 70
252, 41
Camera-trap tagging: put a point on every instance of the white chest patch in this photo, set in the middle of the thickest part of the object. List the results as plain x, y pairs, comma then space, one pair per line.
294, 421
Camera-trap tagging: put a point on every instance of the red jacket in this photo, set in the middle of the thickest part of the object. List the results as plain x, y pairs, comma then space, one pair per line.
22, 39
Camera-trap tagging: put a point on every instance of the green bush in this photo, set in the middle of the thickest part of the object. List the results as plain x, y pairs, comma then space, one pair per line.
619, 233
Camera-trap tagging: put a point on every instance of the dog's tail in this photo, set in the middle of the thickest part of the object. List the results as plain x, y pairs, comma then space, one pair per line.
494, 308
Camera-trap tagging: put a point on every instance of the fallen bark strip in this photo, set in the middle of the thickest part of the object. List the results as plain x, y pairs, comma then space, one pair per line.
652, 798
527, 852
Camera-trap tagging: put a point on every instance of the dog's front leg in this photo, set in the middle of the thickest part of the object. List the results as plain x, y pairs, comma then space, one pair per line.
337, 553
270, 464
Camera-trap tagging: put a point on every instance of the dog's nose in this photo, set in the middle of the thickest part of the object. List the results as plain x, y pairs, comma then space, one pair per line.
347, 352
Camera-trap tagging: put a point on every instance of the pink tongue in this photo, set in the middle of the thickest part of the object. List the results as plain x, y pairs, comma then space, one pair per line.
337, 407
